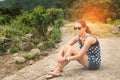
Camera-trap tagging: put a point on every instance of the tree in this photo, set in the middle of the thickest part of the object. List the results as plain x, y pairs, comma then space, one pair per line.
42, 18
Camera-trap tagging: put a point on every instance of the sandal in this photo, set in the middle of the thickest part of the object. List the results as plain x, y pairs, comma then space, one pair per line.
51, 75
53, 70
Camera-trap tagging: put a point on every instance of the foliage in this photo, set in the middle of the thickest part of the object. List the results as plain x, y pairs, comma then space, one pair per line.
47, 45
5, 44
14, 49
4, 19
24, 18
15, 46
30, 56
13, 10
18, 62
102, 30
42, 18
34, 22
55, 33
115, 5
20, 67
21, 27
117, 22
29, 5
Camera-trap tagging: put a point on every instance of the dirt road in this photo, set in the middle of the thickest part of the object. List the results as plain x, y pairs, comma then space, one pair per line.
109, 70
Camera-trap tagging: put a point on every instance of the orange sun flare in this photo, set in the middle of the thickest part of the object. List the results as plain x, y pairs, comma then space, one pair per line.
92, 13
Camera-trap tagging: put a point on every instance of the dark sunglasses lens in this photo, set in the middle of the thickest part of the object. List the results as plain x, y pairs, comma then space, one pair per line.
75, 28
79, 28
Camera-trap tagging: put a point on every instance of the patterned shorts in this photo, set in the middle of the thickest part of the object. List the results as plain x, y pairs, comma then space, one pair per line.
91, 65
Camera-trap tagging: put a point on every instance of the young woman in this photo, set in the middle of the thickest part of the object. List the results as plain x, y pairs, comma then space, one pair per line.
88, 54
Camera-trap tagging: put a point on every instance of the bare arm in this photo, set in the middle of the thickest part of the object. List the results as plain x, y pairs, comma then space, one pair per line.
84, 49
71, 42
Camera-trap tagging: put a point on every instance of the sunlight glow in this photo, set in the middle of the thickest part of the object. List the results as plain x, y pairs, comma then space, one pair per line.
92, 13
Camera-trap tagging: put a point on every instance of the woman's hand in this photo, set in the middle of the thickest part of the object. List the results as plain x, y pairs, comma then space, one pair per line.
60, 59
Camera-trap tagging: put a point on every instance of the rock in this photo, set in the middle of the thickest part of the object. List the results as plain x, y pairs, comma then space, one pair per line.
15, 54
31, 62
4, 40
40, 44
44, 53
8, 51
27, 46
19, 59
36, 51
5, 43
115, 32
29, 36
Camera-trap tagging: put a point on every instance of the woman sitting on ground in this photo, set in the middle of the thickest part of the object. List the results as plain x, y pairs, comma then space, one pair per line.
88, 54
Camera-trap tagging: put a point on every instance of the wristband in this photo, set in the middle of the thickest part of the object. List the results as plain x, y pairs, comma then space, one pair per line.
66, 58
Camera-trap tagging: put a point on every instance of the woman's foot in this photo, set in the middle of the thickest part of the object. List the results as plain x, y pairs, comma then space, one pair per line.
52, 75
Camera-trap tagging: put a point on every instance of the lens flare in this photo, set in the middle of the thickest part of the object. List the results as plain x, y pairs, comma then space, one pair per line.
92, 12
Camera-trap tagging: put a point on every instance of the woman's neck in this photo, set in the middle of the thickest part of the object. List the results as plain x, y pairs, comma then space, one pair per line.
83, 35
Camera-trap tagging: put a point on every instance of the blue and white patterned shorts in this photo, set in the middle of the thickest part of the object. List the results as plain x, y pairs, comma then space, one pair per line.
91, 65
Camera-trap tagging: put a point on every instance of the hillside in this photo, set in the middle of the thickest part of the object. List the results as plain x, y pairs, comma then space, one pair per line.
28, 5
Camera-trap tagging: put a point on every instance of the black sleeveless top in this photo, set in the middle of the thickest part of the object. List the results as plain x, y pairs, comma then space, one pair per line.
93, 51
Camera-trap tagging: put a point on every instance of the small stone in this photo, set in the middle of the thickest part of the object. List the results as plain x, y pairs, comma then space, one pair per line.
15, 54
29, 36
19, 59
40, 44
31, 62
44, 53
36, 51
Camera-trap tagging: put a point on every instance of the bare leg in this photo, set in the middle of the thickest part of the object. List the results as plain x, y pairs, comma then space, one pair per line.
62, 53
71, 51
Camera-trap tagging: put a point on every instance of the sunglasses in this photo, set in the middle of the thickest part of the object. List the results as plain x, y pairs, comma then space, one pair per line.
79, 28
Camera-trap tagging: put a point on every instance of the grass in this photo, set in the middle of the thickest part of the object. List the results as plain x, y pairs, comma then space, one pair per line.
30, 56
20, 67
101, 30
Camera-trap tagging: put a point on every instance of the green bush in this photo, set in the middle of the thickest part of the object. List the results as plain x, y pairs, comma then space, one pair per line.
4, 45
1, 53
11, 33
14, 49
15, 46
55, 35
18, 62
24, 18
42, 18
4, 19
20, 67
47, 45
117, 22
30, 56
21, 27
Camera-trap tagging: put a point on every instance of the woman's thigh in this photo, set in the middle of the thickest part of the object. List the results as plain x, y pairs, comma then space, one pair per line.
74, 51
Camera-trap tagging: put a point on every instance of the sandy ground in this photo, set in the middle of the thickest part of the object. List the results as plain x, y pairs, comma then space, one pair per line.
109, 70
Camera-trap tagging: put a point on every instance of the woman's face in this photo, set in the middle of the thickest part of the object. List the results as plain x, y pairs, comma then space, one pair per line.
78, 28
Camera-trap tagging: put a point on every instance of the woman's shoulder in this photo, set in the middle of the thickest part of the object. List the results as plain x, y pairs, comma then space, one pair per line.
91, 38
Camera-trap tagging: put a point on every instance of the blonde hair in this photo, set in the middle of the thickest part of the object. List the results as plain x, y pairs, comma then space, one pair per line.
85, 26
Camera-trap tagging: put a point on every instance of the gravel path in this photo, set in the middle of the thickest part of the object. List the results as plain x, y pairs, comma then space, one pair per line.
109, 70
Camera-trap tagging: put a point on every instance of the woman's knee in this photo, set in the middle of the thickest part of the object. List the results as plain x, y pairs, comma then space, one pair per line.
66, 47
